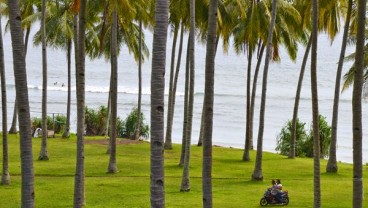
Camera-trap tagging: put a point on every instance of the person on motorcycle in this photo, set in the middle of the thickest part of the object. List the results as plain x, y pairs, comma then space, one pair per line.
278, 190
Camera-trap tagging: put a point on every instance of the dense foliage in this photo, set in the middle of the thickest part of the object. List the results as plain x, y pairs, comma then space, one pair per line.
95, 121
304, 141
126, 128
57, 123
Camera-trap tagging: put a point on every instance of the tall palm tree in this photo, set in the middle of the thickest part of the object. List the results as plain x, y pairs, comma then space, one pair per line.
186, 101
43, 151
157, 103
257, 173
185, 185
143, 16
59, 34
329, 16
5, 177
112, 168
357, 107
316, 143
80, 81
23, 105
332, 162
208, 102
27, 9
171, 107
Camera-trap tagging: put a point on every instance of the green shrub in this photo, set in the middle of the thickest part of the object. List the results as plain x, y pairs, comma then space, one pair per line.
283, 139
37, 123
324, 135
60, 121
56, 124
304, 142
95, 121
126, 128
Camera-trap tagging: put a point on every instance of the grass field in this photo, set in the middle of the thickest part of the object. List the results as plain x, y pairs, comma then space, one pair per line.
130, 187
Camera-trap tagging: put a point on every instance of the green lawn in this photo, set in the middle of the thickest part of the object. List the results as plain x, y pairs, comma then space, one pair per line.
232, 187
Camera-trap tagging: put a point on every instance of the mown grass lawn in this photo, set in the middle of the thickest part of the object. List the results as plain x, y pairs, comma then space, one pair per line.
130, 187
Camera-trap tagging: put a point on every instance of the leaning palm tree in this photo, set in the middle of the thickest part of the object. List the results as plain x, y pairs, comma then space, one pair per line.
357, 107
5, 177
257, 173
80, 81
208, 102
157, 103
332, 162
316, 139
20, 75
43, 151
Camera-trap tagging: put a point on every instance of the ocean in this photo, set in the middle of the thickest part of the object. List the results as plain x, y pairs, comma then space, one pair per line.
230, 91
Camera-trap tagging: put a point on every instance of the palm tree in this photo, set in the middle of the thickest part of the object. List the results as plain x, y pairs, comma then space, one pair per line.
357, 107
157, 103
208, 102
332, 163
185, 185
27, 9
112, 168
257, 173
5, 177
171, 107
80, 81
329, 16
43, 151
23, 105
316, 139
144, 17
186, 101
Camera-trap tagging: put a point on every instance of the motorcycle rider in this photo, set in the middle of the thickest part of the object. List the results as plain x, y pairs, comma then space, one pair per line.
278, 190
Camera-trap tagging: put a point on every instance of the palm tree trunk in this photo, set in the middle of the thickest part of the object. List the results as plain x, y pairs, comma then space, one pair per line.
158, 104
185, 183
246, 156
176, 76
357, 108
253, 98
332, 162
5, 177
316, 143
20, 75
168, 139
138, 124
200, 139
108, 119
257, 173
13, 127
186, 98
66, 133
297, 99
112, 168
208, 102
43, 152
80, 81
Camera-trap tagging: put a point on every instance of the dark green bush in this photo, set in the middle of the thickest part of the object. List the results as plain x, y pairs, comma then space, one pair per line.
126, 128
283, 139
56, 124
304, 142
95, 121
